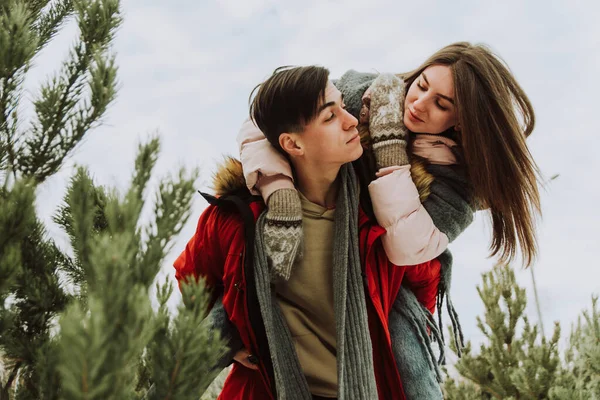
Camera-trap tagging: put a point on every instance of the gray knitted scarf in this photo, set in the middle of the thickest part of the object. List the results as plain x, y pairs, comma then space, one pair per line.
355, 371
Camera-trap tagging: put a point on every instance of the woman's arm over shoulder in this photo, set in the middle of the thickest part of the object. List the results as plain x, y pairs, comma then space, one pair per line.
411, 235
265, 169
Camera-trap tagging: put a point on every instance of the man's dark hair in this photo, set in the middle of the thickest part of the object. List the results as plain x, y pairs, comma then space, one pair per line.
288, 100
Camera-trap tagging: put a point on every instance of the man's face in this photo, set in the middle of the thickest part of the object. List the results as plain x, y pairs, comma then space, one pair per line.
331, 138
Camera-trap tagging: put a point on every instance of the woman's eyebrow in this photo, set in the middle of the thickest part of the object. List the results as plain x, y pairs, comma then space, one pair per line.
450, 99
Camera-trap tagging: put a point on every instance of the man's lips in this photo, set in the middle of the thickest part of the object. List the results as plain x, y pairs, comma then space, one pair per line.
413, 117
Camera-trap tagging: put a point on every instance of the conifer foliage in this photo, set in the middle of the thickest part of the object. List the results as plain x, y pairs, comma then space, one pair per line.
78, 323
516, 361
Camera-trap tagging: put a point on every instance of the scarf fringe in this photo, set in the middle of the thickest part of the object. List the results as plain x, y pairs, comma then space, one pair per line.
427, 329
457, 333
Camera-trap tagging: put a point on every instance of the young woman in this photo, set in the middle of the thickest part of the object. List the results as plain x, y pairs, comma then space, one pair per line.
464, 120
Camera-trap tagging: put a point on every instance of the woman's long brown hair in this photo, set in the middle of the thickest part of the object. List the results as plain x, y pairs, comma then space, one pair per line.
495, 117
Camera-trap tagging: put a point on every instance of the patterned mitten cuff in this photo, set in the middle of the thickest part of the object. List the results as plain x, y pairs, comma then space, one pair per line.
283, 232
386, 124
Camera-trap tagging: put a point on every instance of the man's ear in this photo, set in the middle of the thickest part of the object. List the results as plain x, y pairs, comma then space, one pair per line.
291, 144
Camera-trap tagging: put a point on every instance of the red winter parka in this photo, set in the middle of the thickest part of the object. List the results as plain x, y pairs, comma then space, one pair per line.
221, 252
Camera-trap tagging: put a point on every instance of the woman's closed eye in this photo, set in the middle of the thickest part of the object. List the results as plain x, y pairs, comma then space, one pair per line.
437, 103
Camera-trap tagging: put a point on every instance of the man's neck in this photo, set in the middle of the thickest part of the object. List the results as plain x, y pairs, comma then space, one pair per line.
319, 184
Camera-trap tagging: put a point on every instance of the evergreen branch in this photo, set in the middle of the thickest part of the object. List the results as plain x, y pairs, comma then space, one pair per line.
48, 24
13, 374
82, 217
16, 219
77, 218
17, 41
172, 210
98, 21
8, 120
53, 110
17, 47
99, 346
184, 356
57, 107
38, 297
36, 6
526, 365
174, 376
145, 161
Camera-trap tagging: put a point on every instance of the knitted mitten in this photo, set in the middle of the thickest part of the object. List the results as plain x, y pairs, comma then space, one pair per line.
283, 232
386, 125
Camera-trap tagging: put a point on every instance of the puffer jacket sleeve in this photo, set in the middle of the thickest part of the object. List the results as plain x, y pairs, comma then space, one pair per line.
411, 235
265, 169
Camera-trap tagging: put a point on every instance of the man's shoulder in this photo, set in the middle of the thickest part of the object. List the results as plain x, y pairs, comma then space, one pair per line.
231, 210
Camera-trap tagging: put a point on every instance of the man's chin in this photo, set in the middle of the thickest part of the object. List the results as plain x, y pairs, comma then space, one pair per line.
356, 153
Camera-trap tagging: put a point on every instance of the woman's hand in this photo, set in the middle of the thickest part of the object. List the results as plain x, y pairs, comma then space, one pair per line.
388, 133
246, 359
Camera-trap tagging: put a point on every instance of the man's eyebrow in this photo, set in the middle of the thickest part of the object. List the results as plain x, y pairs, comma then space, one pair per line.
324, 106
450, 99
329, 104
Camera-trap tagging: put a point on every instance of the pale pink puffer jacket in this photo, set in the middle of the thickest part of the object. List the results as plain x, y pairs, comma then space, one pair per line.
411, 236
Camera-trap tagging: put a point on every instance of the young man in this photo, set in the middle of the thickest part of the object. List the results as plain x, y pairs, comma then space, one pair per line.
316, 328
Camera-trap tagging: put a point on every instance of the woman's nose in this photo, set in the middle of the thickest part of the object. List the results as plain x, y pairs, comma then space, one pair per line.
419, 104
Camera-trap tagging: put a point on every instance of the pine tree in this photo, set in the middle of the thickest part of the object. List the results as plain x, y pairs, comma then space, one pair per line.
78, 323
516, 362
111, 343
580, 377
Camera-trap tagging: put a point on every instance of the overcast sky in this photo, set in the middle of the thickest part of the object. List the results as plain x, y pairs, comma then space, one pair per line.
186, 69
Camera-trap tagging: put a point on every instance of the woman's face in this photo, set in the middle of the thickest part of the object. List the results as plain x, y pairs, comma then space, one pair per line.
429, 104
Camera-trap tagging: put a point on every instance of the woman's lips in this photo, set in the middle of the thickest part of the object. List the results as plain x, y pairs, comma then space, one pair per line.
413, 117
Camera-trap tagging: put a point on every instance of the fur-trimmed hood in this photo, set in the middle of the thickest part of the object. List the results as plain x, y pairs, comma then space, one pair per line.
229, 178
